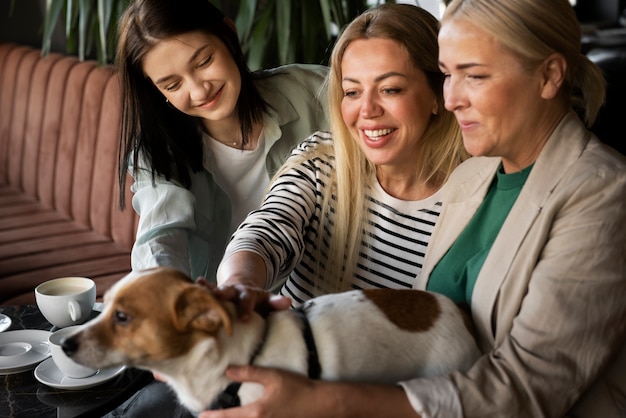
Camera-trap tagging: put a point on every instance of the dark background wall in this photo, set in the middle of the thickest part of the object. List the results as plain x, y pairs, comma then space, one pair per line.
24, 24
606, 12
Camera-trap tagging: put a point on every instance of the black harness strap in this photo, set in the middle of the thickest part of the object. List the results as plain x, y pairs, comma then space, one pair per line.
229, 398
315, 369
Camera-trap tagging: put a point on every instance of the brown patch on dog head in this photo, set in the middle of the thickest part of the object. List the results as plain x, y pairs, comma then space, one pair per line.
412, 310
196, 308
139, 325
143, 316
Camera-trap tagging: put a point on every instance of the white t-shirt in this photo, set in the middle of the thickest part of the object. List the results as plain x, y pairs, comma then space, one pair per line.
242, 174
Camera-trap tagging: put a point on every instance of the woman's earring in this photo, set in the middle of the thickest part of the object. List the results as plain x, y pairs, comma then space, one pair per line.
167, 102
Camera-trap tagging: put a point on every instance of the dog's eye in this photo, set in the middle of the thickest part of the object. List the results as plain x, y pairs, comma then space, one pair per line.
122, 318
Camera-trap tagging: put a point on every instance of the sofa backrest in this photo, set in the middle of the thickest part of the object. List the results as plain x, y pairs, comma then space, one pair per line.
59, 130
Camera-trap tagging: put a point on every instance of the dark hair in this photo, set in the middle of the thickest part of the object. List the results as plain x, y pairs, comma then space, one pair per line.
169, 141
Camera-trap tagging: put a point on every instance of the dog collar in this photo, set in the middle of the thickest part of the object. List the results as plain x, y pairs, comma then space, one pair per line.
229, 398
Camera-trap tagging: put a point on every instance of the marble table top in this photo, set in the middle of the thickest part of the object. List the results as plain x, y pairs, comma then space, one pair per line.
22, 395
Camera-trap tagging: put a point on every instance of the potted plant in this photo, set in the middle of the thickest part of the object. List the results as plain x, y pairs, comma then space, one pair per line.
272, 32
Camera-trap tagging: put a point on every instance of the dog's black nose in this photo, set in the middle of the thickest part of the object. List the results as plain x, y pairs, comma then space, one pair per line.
69, 345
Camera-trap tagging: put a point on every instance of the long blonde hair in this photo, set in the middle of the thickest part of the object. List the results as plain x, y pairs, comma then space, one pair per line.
441, 146
534, 29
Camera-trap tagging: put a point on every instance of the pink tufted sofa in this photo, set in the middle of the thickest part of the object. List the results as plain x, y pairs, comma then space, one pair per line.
59, 212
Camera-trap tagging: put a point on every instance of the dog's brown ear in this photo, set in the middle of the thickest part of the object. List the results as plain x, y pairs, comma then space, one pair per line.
197, 308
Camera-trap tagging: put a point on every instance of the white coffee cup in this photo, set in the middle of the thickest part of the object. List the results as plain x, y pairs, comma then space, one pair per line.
66, 365
66, 301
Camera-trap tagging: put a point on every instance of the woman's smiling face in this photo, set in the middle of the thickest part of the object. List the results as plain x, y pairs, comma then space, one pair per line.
387, 103
197, 74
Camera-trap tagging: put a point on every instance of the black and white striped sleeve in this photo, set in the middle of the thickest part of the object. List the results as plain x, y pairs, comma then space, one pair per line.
276, 231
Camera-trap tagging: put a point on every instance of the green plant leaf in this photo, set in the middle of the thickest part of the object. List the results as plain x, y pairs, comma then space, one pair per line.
104, 15
326, 16
272, 32
283, 31
259, 40
53, 10
83, 17
71, 19
245, 18
68, 17
315, 38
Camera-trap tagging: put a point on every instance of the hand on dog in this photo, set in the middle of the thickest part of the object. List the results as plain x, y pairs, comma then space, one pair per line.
288, 394
249, 298
281, 388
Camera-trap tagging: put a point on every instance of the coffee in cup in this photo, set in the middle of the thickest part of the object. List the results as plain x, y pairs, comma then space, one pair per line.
66, 301
65, 364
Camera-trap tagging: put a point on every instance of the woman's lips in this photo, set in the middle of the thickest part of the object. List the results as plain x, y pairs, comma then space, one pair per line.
375, 134
467, 125
213, 100
377, 138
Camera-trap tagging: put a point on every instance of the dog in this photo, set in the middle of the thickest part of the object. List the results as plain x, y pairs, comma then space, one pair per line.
160, 320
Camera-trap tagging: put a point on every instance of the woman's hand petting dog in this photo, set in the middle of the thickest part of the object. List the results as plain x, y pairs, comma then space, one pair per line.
300, 393
280, 388
249, 298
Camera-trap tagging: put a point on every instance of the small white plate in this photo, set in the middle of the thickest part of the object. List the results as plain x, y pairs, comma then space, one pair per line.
49, 374
21, 350
5, 322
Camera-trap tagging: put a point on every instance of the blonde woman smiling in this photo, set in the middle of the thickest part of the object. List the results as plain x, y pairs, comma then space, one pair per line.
355, 208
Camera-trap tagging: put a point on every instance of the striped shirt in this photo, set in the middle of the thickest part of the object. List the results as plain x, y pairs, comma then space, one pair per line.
284, 231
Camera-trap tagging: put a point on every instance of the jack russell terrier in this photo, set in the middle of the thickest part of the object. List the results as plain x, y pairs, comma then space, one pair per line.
159, 320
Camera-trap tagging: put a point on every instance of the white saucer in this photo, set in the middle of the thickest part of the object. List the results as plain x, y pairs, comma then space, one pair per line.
49, 374
21, 350
5, 322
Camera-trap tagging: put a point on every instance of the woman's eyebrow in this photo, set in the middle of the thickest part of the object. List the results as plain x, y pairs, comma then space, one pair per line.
193, 57
379, 78
463, 66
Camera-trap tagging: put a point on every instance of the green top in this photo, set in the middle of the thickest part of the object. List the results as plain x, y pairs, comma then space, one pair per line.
456, 273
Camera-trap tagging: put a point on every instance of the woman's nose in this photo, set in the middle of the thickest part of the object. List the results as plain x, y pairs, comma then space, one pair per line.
198, 89
370, 107
453, 94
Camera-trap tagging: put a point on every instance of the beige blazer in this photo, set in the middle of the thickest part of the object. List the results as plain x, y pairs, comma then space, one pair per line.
550, 301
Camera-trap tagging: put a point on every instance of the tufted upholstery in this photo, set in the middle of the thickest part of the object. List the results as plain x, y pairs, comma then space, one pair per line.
59, 127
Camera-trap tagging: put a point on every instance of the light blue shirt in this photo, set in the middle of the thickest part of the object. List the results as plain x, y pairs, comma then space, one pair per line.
188, 229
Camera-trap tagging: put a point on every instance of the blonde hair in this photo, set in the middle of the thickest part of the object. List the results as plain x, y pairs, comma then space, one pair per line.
441, 145
533, 30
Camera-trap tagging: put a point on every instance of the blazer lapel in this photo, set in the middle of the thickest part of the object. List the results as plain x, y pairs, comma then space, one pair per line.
462, 196
564, 146
500, 258
464, 193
